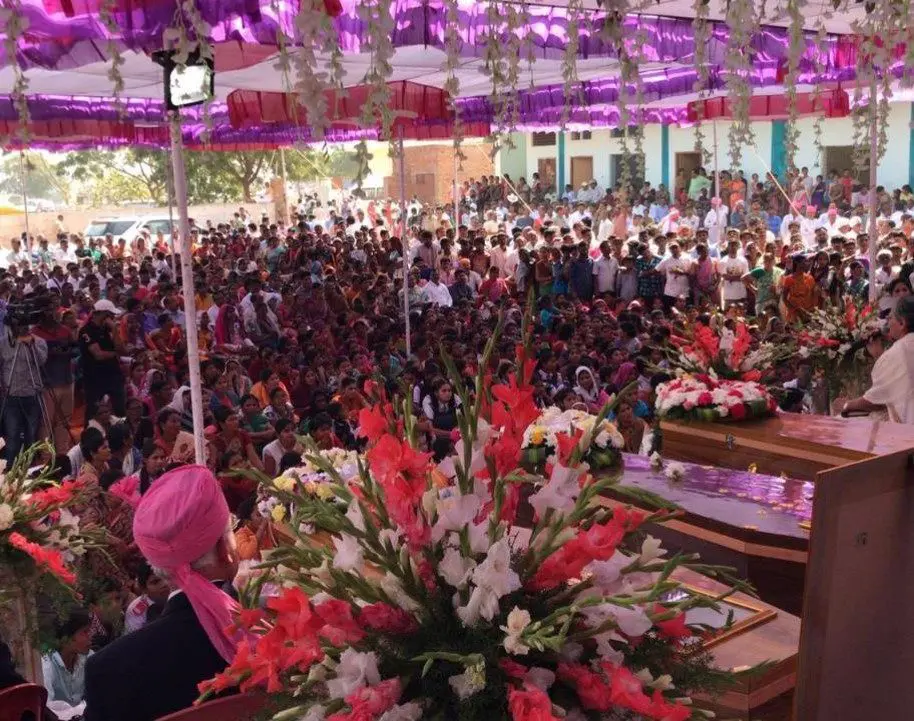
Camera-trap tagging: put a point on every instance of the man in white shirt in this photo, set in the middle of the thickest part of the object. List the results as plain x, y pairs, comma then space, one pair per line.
16, 256
436, 292
791, 216
605, 269
808, 225
716, 220
731, 269
676, 268
831, 221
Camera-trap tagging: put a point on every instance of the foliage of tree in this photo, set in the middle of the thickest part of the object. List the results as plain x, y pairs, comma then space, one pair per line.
41, 177
212, 176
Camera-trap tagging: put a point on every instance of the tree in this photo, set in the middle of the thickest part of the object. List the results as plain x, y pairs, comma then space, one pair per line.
41, 178
141, 170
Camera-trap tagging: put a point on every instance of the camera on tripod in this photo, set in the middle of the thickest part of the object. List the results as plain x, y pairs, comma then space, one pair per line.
23, 314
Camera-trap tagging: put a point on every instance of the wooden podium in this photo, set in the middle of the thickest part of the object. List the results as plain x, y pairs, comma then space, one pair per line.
856, 645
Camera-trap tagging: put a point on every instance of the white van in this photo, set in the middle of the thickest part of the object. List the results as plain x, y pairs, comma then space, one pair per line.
128, 227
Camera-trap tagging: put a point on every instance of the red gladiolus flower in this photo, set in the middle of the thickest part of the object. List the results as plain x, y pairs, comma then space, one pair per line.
377, 699
567, 445
530, 704
47, 558
401, 472
512, 668
384, 618
626, 689
514, 408
599, 542
249, 618
55, 496
373, 422
341, 628
664, 710
674, 628
755, 375
592, 689
294, 617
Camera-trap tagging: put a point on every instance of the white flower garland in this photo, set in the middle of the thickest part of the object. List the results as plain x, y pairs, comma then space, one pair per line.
16, 24
742, 24
795, 50
701, 30
452, 46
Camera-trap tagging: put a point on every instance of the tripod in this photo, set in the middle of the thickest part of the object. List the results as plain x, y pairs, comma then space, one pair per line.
34, 368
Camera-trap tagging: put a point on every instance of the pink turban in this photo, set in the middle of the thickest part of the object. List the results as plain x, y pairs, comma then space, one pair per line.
181, 518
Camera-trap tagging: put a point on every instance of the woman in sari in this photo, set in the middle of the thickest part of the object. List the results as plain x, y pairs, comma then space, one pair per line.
229, 331
95, 454
893, 374
178, 445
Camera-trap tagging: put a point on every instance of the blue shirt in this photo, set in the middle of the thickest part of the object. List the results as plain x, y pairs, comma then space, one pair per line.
61, 683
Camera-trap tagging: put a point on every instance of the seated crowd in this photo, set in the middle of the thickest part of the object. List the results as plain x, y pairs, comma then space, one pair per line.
292, 319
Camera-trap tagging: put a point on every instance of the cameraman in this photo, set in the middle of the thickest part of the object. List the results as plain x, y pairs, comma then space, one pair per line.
100, 350
60, 335
22, 356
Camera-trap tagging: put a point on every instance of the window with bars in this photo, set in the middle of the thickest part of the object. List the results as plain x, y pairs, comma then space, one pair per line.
541, 140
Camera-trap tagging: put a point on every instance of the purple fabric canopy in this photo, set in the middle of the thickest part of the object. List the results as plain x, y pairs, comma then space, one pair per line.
57, 41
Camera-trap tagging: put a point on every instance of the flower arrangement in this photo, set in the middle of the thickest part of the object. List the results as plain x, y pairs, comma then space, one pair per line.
701, 397
540, 443
726, 353
831, 334
39, 531
835, 341
435, 603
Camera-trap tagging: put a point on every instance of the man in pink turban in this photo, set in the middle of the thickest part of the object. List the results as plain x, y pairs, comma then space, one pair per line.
181, 525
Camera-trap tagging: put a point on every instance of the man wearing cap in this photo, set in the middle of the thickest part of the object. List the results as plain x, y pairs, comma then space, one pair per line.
181, 526
100, 350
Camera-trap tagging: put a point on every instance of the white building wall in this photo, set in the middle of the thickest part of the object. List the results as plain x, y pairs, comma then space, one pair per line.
893, 170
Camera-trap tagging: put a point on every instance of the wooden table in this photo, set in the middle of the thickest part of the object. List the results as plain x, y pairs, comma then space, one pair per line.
799, 445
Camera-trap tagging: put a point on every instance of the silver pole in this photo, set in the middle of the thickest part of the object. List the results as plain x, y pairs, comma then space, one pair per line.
872, 230
456, 198
171, 220
716, 168
404, 243
23, 176
187, 288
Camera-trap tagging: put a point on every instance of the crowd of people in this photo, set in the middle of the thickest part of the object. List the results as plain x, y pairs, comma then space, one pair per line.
293, 318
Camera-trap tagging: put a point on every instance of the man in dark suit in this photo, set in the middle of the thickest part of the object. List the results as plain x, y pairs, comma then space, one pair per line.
181, 526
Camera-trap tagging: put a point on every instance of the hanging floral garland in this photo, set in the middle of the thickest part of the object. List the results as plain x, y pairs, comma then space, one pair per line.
613, 33
738, 60
494, 67
528, 40
310, 85
570, 58
106, 14
15, 24
701, 30
821, 51
452, 47
376, 112
512, 75
795, 50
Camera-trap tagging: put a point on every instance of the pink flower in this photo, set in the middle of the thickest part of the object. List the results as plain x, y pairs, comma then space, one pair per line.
341, 628
384, 618
530, 704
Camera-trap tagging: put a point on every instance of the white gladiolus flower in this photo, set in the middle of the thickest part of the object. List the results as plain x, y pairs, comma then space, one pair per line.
454, 513
411, 711
656, 461
468, 683
650, 550
349, 555
355, 670
455, 569
540, 677
518, 620
6, 516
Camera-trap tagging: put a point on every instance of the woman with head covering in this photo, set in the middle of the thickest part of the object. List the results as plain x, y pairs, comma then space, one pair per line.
893, 374
587, 387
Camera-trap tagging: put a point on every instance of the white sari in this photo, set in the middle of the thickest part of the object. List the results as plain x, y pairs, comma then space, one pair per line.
893, 381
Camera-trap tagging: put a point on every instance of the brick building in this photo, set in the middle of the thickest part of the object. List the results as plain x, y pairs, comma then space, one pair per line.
430, 171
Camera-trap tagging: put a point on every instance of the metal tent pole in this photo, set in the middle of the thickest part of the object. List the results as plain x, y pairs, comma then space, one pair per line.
872, 230
404, 243
187, 287
25, 202
456, 197
171, 221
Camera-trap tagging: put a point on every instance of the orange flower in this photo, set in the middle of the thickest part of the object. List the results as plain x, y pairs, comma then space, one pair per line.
46, 558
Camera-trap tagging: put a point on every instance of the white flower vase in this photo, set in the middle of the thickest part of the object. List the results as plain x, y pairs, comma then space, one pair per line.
19, 625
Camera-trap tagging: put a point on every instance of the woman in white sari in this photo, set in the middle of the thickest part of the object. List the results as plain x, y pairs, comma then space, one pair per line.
893, 374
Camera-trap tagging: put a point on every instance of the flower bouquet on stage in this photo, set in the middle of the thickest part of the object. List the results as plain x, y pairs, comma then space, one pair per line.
729, 353
703, 398
540, 444
835, 341
40, 538
433, 602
